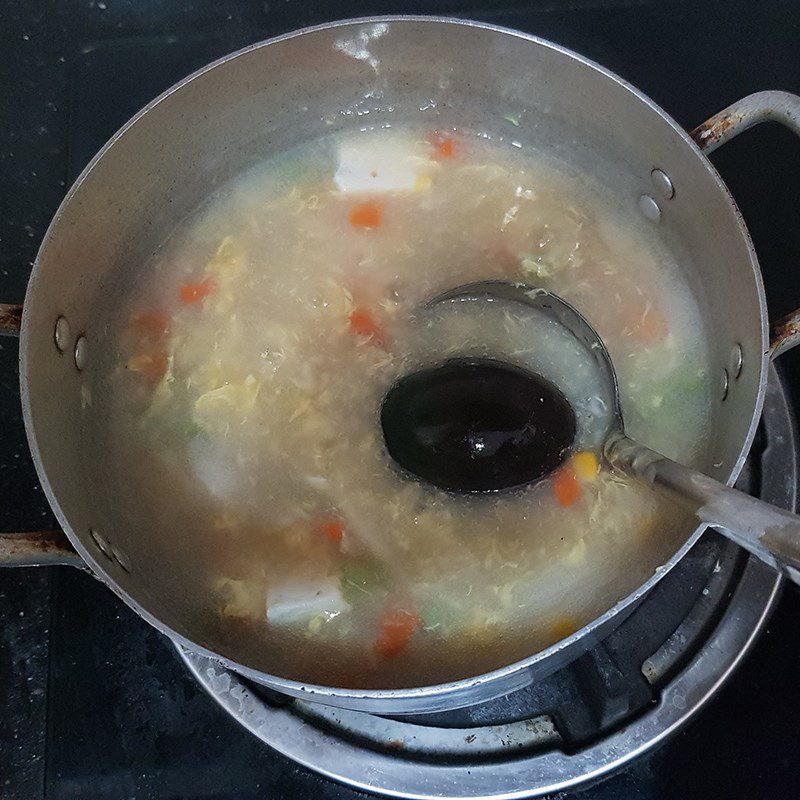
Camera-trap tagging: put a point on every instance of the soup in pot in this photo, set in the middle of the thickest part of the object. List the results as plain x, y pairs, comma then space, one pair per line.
245, 387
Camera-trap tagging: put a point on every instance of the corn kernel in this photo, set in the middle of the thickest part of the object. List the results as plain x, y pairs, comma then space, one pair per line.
423, 181
585, 465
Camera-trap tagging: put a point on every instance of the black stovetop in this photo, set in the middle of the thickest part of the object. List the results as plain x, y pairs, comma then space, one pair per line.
96, 704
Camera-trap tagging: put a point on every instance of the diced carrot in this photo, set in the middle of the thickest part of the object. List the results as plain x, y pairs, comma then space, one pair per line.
585, 465
443, 146
566, 487
397, 626
366, 215
151, 324
331, 529
647, 324
151, 366
653, 326
196, 292
363, 323
446, 148
503, 259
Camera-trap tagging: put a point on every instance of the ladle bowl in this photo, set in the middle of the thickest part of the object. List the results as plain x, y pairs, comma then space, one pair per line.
769, 532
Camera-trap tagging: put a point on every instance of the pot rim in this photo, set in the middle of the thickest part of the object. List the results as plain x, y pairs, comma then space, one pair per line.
372, 699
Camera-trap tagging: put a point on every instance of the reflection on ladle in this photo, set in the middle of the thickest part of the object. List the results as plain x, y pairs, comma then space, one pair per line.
767, 531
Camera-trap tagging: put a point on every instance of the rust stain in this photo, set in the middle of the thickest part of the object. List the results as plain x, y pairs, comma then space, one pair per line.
784, 329
714, 128
10, 317
43, 542
470, 739
37, 548
396, 744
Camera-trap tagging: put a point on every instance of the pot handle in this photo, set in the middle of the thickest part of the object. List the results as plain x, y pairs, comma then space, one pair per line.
41, 548
10, 318
38, 549
771, 106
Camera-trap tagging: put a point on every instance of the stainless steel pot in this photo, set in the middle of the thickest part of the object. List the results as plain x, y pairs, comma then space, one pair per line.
231, 114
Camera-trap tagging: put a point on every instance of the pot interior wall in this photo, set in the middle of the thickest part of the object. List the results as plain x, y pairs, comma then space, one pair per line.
229, 117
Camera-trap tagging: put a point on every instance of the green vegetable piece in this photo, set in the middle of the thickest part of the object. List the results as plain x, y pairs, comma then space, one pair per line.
363, 581
439, 616
188, 429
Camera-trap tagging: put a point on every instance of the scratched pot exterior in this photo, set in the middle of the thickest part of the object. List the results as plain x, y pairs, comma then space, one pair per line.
232, 114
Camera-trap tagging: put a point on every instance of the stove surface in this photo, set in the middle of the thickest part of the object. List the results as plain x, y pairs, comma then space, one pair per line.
97, 704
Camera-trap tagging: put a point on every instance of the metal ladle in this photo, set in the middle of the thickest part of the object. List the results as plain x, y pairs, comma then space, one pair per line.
767, 531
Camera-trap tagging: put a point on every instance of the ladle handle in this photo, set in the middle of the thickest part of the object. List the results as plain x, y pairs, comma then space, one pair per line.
769, 532
38, 549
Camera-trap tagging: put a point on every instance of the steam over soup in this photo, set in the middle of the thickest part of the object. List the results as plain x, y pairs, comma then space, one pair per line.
243, 395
